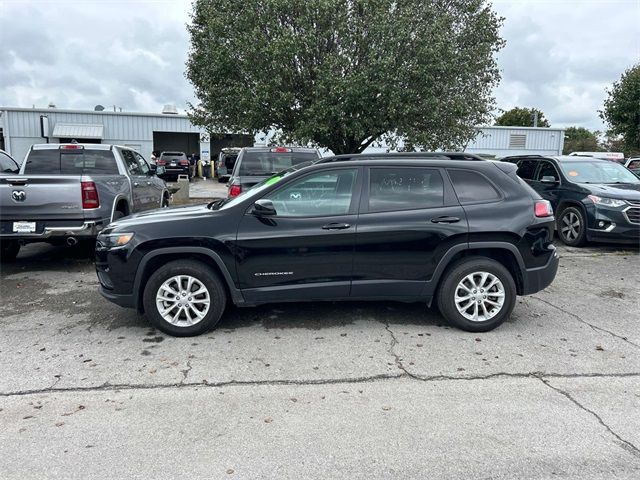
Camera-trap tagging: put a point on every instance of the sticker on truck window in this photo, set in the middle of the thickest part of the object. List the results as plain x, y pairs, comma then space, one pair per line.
273, 180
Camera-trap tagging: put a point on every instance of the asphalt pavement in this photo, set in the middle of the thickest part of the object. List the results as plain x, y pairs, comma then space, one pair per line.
320, 390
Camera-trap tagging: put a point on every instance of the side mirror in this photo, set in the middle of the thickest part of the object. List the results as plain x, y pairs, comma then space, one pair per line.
263, 208
549, 179
159, 170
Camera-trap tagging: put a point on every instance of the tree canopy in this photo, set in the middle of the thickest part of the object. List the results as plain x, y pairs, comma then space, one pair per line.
345, 73
622, 110
580, 139
521, 117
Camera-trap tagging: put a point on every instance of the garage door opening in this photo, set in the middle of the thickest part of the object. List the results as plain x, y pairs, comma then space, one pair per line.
187, 143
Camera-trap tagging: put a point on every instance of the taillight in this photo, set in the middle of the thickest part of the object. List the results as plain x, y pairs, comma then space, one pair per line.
184, 162
543, 209
161, 162
89, 195
235, 190
281, 150
71, 146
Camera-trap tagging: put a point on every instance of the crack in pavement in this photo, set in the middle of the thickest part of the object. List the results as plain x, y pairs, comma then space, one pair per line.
185, 372
396, 357
625, 444
328, 381
580, 319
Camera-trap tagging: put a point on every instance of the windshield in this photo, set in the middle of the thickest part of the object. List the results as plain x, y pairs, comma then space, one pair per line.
257, 188
268, 163
597, 172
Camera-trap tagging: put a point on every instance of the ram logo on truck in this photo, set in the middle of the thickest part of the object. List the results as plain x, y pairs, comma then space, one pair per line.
18, 195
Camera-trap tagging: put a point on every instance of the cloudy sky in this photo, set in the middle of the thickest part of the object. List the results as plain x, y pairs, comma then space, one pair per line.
560, 56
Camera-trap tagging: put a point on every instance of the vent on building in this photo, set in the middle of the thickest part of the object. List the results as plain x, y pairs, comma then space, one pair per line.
517, 140
170, 110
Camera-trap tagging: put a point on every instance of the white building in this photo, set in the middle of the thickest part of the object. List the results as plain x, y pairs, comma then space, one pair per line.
146, 132
502, 141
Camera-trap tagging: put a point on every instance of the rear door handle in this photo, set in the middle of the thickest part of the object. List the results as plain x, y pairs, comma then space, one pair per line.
335, 226
445, 219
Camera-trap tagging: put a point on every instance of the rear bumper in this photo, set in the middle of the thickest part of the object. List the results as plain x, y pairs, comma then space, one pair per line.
536, 279
87, 229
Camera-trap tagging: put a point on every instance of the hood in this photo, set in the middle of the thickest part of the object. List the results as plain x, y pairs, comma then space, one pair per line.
624, 191
162, 215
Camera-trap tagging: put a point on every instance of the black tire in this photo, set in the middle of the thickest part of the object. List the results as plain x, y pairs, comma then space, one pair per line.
118, 215
165, 202
9, 250
202, 273
449, 286
572, 221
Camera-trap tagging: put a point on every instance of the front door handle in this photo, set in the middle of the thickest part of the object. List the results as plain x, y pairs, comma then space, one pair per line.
335, 226
445, 219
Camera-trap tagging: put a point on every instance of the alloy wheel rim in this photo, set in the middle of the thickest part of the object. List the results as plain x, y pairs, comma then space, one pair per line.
183, 300
570, 228
479, 296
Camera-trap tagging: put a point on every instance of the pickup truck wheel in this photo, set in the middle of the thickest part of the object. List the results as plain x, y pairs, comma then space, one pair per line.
165, 202
477, 294
9, 250
184, 298
118, 215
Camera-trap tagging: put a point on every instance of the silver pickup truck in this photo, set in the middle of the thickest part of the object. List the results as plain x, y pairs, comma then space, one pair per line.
69, 192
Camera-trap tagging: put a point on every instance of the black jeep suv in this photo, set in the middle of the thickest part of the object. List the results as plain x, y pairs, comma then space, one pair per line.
468, 233
594, 200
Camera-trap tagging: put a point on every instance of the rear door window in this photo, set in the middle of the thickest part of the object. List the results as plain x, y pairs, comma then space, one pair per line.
472, 187
393, 189
526, 169
71, 162
131, 162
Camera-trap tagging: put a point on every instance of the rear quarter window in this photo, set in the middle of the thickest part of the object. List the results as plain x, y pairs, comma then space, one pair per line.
472, 187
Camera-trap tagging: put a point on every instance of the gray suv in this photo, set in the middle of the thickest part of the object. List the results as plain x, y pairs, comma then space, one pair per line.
255, 164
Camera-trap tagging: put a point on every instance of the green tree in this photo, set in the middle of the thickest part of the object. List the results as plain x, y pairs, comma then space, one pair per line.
345, 73
580, 139
622, 110
521, 117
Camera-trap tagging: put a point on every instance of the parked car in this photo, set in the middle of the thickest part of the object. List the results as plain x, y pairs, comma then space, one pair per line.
255, 164
594, 200
69, 192
467, 234
8, 166
174, 163
633, 164
226, 160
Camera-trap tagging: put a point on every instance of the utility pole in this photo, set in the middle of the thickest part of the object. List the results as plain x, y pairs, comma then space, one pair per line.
535, 118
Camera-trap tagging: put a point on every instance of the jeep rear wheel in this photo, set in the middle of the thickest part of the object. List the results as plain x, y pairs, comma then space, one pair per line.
477, 294
184, 298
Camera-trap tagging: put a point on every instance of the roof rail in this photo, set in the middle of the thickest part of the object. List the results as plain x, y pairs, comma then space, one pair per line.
526, 156
403, 155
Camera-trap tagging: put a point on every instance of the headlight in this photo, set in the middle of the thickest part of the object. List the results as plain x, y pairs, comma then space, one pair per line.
606, 202
114, 240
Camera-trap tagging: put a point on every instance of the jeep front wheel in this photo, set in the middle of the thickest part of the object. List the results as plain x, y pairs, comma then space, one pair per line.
184, 298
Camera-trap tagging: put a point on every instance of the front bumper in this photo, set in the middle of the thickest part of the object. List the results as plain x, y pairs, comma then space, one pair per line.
536, 279
88, 229
615, 225
123, 300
